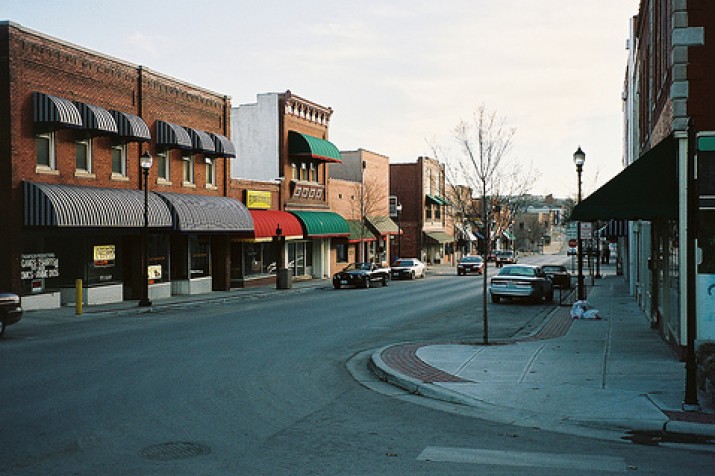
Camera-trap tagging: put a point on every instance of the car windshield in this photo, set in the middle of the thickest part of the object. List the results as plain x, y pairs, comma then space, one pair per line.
554, 269
354, 266
518, 271
506, 253
471, 259
403, 263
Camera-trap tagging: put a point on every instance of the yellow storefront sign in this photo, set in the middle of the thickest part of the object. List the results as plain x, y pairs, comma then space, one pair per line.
258, 199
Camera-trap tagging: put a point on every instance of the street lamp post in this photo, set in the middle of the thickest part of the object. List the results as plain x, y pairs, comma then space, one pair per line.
362, 212
145, 162
579, 158
399, 230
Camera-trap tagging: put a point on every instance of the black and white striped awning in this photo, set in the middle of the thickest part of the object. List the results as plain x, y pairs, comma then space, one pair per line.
131, 128
200, 141
207, 213
71, 206
224, 146
172, 136
96, 120
614, 229
52, 112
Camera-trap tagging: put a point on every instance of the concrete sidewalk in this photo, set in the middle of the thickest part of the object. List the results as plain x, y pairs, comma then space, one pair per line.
611, 374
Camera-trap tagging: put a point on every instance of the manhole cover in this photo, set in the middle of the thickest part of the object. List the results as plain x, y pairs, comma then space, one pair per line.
174, 450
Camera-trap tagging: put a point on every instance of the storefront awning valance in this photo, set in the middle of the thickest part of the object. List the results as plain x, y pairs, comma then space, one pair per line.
51, 112
322, 224
265, 223
200, 141
439, 236
508, 235
88, 207
131, 128
645, 190
96, 120
383, 225
197, 213
359, 232
223, 146
306, 146
172, 136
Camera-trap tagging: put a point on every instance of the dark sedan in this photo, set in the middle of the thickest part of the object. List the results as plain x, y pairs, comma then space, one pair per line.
10, 310
521, 281
470, 264
361, 274
558, 274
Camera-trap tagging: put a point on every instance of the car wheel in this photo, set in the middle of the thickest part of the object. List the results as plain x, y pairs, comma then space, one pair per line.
550, 296
366, 283
2, 328
495, 299
336, 285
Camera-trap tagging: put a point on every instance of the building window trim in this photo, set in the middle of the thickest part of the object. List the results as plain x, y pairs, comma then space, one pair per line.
51, 164
188, 178
86, 167
119, 168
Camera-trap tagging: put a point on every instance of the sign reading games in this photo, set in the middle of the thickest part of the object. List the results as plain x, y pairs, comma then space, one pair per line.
258, 199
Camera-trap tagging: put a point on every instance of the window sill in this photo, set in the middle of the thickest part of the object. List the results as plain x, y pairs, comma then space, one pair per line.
211, 187
163, 182
42, 169
84, 174
119, 177
188, 185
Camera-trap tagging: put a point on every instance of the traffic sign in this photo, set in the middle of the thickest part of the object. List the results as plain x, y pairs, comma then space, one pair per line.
573, 243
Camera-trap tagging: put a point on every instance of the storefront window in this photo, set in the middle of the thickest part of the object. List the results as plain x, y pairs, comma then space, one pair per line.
259, 258
341, 251
200, 256
300, 258
158, 252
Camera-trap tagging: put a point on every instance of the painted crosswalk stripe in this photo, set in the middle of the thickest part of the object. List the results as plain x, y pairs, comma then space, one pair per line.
522, 459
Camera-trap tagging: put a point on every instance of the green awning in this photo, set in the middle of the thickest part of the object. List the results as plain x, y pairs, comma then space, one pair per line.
508, 235
645, 190
383, 225
435, 199
359, 232
306, 146
322, 224
444, 201
439, 236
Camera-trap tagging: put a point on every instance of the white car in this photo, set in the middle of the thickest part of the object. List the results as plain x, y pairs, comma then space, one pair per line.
407, 268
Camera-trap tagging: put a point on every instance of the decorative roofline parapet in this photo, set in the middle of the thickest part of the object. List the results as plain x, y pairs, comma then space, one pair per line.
308, 110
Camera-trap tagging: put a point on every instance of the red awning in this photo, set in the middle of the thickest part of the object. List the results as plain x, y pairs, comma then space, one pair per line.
265, 223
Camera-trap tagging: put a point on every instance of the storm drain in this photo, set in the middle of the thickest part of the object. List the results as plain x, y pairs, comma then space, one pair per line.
174, 450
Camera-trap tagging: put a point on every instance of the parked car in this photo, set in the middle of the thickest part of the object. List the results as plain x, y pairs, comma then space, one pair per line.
521, 281
559, 275
506, 257
10, 311
407, 268
361, 274
470, 264
572, 252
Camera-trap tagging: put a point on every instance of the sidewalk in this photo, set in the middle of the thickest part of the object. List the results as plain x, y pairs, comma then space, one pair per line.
610, 374
65, 314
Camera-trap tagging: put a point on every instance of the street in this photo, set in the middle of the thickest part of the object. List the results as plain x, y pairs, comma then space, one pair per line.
261, 387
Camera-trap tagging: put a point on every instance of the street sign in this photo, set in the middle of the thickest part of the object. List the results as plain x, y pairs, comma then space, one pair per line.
586, 230
571, 231
573, 243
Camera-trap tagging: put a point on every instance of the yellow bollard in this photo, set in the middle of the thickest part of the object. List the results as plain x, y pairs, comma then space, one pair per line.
78, 297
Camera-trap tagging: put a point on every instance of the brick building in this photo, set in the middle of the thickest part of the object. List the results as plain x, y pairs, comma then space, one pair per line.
359, 192
426, 220
73, 125
283, 138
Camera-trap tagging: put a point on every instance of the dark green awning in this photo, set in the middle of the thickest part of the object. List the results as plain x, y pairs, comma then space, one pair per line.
322, 224
359, 232
304, 145
435, 199
645, 190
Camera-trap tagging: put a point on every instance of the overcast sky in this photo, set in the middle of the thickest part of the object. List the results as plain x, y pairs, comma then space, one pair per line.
396, 73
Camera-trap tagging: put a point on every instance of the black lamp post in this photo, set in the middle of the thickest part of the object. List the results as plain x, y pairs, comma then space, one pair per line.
579, 158
145, 162
399, 229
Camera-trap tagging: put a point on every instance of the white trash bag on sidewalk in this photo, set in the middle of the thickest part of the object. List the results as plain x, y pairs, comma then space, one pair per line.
582, 310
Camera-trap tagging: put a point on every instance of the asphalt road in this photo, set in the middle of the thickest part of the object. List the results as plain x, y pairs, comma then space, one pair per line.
261, 387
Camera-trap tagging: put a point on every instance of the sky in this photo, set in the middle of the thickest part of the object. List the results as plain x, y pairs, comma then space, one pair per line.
398, 74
